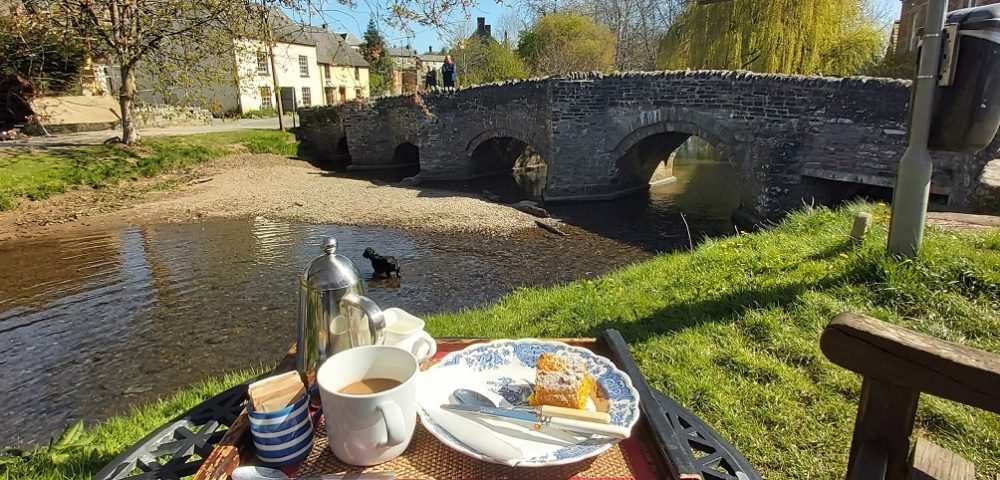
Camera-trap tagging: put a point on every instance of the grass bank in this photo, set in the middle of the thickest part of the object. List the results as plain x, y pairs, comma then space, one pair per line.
731, 331
40, 174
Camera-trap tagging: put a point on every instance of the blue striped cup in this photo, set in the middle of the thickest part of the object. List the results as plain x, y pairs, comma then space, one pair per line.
284, 436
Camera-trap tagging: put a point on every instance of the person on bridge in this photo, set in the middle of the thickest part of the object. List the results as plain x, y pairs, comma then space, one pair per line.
431, 82
448, 72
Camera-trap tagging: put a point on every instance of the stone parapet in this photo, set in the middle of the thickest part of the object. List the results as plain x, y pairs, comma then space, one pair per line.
602, 135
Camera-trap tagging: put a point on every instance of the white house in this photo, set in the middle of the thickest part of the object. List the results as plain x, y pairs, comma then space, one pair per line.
403, 58
311, 65
297, 70
344, 72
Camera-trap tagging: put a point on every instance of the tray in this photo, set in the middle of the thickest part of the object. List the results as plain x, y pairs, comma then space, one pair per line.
668, 441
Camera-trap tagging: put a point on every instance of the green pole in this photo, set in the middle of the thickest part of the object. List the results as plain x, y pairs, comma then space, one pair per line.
913, 180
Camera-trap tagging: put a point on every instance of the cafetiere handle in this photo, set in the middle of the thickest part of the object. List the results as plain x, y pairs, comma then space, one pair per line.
376, 320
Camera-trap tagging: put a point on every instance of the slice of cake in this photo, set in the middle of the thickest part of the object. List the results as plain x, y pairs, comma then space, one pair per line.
561, 381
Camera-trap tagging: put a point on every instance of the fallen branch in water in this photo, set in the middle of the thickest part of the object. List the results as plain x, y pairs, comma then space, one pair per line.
686, 227
551, 228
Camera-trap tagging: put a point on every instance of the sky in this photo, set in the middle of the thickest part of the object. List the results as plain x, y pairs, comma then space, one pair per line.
355, 20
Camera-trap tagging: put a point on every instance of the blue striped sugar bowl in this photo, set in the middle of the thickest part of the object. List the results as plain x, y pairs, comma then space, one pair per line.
284, 436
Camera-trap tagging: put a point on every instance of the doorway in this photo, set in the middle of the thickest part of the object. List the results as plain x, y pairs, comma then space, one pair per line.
288, 99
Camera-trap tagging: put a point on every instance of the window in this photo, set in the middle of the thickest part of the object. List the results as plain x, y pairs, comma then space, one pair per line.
359, 93
265, 98
306, 97
303, 66
262, 62
357, 73
326, 71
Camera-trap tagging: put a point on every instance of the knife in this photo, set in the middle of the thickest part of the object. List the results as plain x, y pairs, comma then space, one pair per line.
478, 437
563, 412
538, 420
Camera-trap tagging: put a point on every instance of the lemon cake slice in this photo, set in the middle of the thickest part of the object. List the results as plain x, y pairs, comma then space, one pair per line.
561, 381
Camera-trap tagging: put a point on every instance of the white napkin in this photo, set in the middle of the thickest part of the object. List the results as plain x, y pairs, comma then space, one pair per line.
487, 436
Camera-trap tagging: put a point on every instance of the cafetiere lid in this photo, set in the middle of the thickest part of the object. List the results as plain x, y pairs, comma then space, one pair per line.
330, 271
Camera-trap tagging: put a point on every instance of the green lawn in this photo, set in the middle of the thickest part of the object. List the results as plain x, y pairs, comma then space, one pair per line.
40, 174
731, 331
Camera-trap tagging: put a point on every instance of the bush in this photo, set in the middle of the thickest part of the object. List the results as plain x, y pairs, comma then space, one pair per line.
46, 190
8, 200
261, 113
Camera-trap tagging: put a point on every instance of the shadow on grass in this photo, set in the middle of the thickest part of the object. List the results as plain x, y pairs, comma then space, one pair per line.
724, 309
833, 250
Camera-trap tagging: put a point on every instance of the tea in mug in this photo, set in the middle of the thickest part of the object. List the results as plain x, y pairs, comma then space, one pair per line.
367, 386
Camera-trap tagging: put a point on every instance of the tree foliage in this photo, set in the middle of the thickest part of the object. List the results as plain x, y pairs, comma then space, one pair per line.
561, 43
376, 54
176, 41
490, 61
894, 65
638, 25
831, 37
47, 61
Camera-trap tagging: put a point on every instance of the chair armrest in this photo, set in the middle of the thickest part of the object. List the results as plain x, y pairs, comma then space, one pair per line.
895, 355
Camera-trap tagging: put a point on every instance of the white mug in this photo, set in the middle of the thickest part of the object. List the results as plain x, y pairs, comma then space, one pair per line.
369, 429
407, 332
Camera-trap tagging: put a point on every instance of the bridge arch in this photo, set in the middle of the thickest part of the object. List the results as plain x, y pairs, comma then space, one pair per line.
406, 155
506, 152
657, 134
498, 132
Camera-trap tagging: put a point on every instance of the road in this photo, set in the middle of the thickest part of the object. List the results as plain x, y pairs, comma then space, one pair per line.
98, 137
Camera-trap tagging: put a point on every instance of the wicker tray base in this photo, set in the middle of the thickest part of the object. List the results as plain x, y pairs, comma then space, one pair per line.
428, 458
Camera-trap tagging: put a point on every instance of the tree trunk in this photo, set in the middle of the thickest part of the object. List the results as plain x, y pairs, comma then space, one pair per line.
126, 100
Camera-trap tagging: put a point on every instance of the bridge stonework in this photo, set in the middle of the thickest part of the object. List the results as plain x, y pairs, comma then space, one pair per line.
794, 139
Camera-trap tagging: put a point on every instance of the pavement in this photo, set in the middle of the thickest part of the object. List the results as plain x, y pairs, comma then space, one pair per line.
963, 221
99, 136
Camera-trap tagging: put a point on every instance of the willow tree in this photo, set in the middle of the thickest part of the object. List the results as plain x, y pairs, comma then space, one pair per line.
832, 37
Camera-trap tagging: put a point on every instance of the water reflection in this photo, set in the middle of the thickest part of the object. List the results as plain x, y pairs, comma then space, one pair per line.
706, 192
90, 325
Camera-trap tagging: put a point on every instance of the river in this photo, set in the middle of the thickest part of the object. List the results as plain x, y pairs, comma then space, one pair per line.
92, 324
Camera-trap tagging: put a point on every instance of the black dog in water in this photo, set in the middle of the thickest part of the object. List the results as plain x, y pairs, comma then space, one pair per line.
384, 266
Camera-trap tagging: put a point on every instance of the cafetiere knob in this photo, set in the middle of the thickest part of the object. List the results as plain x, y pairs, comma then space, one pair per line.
329, 245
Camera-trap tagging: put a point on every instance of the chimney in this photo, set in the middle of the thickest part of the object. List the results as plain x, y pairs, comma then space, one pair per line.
430, 49
489, 31
482, 29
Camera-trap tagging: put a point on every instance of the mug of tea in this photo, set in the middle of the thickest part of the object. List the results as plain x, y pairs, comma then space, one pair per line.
369, 397
406, 331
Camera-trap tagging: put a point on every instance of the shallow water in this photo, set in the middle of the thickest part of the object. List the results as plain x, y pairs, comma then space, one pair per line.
92, 324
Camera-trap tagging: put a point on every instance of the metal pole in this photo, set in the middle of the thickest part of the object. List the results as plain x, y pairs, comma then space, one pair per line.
913, 180
277, 87
274, 71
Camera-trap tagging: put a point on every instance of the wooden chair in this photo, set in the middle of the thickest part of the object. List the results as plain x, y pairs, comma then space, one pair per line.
898, 365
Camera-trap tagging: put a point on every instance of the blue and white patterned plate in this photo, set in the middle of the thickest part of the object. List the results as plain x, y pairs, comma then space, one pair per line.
504, 370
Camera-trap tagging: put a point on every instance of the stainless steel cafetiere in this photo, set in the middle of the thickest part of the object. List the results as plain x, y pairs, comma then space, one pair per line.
334, 315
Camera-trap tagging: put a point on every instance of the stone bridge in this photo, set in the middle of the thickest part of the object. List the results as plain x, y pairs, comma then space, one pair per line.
792, 138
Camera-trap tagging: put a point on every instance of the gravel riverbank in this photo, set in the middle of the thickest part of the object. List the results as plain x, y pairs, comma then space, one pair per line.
272, 186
